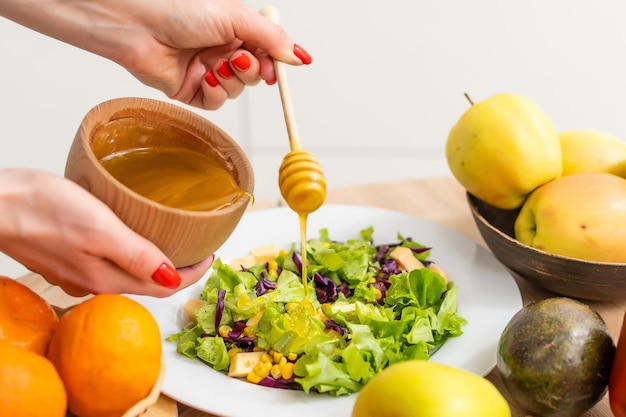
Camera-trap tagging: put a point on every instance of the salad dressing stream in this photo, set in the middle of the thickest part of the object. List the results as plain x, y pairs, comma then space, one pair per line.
302, 220
301, 179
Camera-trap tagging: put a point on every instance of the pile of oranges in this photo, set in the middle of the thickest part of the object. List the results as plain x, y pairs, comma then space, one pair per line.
96, 360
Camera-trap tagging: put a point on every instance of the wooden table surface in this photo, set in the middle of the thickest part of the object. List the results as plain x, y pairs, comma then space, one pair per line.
440, 200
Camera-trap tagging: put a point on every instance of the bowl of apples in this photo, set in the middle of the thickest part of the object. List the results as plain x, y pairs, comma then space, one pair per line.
550, 205
567, 256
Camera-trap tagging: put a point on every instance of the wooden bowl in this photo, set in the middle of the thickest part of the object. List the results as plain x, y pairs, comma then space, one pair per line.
151, 399
185, 236
576, 278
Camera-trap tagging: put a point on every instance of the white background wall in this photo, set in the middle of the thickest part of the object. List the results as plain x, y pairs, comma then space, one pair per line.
385, 87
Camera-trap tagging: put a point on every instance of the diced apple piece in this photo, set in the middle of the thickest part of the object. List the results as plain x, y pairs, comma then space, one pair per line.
405, 258
264, 253
191, 305
436, 268
256, 256
242, 363
244, 261
254, 320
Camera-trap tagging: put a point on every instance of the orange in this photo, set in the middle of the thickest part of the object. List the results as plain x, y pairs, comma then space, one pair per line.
108, 352
29, 384
26, 319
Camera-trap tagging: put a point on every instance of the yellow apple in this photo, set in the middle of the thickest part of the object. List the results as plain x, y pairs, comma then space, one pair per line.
580, 215
419, 388
589, 150
503, 148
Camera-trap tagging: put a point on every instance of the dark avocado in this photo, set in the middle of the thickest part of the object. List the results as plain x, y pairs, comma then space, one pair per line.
555, 357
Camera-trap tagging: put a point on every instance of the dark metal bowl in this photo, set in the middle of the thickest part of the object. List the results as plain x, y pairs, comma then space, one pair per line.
576, 278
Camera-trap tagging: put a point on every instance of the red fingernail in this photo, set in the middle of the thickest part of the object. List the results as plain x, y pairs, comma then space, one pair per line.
242, 62
224, 70
301, 53
210, 79
167, 276
271, 82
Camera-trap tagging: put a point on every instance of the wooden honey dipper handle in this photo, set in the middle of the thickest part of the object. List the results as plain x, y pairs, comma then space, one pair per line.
285, 97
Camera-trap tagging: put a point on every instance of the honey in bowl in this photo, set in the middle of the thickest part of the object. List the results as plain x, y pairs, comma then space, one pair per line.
169, 167
116, 126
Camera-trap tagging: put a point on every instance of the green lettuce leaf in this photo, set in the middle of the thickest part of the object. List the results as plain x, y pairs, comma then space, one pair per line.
213, 351
320, 372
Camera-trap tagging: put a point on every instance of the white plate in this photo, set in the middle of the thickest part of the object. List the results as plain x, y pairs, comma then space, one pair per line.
488, 297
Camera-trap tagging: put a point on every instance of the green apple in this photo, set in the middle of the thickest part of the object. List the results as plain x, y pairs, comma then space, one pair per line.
580, 215
503, 148
589, 150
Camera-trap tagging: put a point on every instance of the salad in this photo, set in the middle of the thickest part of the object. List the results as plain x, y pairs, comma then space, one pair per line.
363, 308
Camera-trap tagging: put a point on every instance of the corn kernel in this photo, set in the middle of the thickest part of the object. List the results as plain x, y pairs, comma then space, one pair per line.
371, 280
233, 351
272, 268
290, 307
257, 368
248, 331
275, 371
277, 356
292, 356
327, 309
282, 252
379, 295
321, 316
262, 369
266, 358
224, 330
287, 370
257, 349
254, 378
282, 361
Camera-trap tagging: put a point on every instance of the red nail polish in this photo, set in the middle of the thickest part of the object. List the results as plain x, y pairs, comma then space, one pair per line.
301, 53
210, 79
224, 70
241, 63
167, 276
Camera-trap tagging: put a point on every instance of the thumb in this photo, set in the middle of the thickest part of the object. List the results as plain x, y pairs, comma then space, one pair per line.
143, 259
166, 275
262, 30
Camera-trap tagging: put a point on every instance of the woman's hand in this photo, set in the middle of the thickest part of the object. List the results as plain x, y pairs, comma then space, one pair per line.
57, 229
200, 52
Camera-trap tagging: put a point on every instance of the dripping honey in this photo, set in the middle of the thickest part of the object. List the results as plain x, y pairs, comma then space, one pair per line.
304, 188
302, 220
302, 217
166, 164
